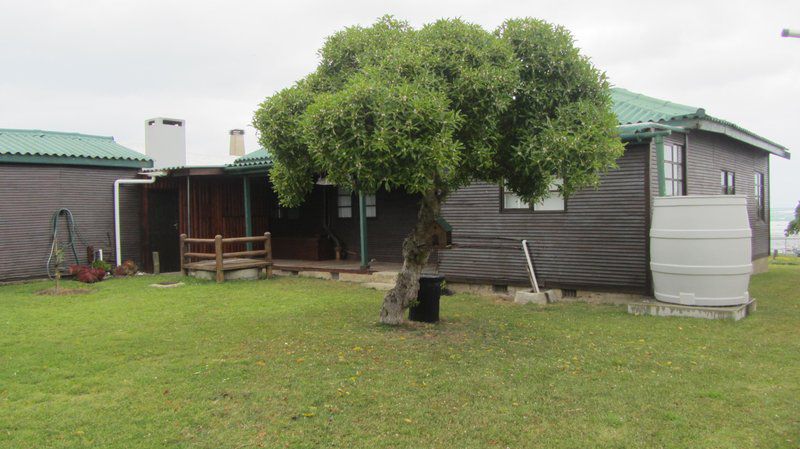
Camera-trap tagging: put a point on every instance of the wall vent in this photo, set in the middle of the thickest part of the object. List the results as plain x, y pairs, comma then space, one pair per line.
569, 293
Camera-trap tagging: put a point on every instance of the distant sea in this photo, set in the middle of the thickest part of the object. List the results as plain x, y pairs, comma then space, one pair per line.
779, 219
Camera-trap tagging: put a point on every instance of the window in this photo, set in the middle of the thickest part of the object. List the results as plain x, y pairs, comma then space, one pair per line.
372, 205
554, 201
344, 203
674, 170
728, 182
758, 183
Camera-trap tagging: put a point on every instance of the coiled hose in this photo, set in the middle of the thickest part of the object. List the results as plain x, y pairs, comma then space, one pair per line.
72, 231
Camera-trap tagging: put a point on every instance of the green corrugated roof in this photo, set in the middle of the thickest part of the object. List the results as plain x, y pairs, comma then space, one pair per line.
631, 107
255, 159
51, 147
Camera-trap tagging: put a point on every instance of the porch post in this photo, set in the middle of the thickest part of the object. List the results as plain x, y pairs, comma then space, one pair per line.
362, 227
248, 221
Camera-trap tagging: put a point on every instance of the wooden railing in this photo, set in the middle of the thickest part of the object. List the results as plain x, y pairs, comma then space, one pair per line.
219, 256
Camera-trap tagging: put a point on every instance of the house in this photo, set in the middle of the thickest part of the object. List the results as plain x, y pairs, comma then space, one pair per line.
595, 240
43, 172
598, 239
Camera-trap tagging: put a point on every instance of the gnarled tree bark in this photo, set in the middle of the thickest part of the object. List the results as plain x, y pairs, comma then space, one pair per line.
416, 250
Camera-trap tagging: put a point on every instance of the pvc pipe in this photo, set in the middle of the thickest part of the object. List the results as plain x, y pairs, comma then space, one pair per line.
531, 274
786, 32
117, 183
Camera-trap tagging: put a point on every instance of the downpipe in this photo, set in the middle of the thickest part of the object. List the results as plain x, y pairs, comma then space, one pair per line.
117, 184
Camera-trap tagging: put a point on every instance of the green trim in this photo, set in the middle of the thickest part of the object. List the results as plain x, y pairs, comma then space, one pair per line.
362, 227
71, 160
735, 132
662, 180
248, 219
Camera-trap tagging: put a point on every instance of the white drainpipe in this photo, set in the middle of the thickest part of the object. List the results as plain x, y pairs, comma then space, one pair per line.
117, 183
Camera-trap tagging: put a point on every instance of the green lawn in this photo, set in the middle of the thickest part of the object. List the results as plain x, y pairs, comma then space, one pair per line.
302, 363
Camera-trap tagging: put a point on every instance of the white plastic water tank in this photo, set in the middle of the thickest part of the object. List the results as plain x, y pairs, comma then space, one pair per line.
700, 250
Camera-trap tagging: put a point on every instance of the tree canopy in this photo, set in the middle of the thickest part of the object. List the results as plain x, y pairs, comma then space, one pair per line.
439, 107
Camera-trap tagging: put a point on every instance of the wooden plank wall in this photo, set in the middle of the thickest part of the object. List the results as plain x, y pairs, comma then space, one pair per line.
30, 194
598, 242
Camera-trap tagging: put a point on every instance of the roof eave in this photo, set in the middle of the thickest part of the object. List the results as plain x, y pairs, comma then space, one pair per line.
72, 160
705, 124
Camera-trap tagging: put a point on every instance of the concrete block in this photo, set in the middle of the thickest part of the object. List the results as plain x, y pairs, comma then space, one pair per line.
527, 297
379, 285
655, 308
246, 274
384, 277
355, 277
315, 274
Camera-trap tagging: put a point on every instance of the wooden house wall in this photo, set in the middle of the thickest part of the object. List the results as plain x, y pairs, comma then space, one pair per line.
395, 218
707, 154
599, 241
31, 193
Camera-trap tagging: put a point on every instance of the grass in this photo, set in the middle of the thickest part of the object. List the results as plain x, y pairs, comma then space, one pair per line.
302, 363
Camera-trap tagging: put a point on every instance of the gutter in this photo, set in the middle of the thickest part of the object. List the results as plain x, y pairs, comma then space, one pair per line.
117, 184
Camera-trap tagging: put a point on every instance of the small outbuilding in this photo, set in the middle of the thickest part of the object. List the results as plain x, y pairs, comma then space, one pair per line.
45, 172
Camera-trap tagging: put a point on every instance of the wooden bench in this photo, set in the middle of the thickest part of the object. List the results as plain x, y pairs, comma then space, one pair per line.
219, 261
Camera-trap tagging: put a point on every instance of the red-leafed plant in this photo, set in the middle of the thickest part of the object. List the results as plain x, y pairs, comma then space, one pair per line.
86, 274
128, 268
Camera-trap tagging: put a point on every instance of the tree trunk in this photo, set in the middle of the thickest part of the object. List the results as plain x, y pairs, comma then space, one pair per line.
416, 249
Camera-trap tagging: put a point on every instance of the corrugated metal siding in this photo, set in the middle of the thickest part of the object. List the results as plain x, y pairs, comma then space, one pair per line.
598, 242
706, 155
32, 193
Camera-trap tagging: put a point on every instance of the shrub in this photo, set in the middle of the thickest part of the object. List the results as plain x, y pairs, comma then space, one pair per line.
128, 268
101, 264
87, 274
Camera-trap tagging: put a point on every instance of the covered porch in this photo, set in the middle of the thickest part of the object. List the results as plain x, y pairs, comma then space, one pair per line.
333, 230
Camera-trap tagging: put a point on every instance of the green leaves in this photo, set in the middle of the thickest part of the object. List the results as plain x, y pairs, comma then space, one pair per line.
439, 107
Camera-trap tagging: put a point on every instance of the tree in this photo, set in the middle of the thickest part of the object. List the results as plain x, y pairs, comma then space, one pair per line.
794, 226
431, 110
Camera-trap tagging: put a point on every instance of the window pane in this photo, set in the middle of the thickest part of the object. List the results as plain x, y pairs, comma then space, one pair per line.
667, 153
372, 212
669, 191
345, 212
370, 199
512, 201
554, 202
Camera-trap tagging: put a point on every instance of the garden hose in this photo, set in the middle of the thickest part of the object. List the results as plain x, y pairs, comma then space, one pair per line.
72, 231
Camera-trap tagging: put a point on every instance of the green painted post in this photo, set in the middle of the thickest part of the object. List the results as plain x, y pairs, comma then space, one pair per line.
662, 181
362, 226
248, 219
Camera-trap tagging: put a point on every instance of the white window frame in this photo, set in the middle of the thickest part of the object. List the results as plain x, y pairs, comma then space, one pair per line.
344, 203
553, 202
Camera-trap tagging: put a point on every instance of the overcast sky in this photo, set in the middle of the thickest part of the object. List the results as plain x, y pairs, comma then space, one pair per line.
103, 67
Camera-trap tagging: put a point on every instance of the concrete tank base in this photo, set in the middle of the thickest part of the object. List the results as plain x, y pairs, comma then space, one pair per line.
655, 308
244, 274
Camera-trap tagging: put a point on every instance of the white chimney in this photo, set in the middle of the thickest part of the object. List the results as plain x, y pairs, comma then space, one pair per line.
165, 141
237, 142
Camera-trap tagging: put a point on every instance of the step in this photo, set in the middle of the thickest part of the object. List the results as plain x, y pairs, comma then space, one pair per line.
378, 285
386, 277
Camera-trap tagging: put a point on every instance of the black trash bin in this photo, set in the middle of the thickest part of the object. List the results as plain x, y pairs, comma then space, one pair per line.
427, 307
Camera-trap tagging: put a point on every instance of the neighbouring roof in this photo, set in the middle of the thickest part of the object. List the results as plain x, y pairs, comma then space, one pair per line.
632, 108
35, 146
253, 160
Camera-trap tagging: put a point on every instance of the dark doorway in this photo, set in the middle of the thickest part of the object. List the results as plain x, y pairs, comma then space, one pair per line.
162, 217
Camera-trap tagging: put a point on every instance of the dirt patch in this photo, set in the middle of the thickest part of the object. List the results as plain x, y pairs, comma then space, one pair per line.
64, 291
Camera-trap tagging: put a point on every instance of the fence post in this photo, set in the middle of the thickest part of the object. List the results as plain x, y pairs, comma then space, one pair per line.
268, 252
218, 254
183, 257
